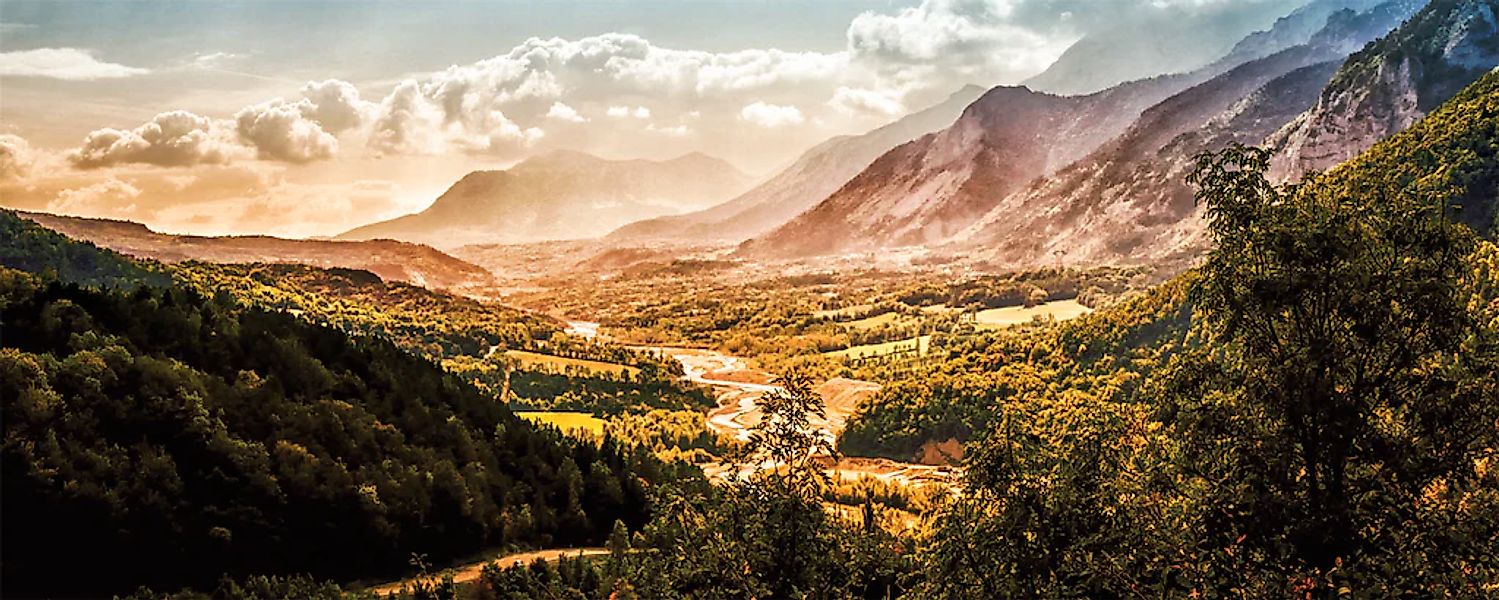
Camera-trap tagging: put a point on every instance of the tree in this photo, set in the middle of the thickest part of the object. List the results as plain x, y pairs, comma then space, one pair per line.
1342, 369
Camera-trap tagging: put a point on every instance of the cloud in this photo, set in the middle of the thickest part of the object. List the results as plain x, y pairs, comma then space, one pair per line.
71, 64
172, 139
414, 120
214, 60
979, 37
16, 157
624, 112
111, 196
563, 112
771, 115
297, 132
279, 130
335, 105
854, 101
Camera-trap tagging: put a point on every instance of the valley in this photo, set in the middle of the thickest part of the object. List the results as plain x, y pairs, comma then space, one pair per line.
1184, 300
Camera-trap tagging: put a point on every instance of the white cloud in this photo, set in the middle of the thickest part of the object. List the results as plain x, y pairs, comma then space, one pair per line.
335, 105
111, 196
278, 130
16, 157
171, 139
771, 115
70, 64
855, 101
298, 132
563, 112
414, 120
214, 60
622, 112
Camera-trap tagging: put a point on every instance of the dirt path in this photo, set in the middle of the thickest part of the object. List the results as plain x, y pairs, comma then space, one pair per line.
470, 572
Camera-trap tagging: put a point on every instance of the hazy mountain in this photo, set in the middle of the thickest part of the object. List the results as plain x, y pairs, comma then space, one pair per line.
931, 188
1176, 43
1392, 84
815, 174
561, 195
1298, 28
391, 260
1129, 201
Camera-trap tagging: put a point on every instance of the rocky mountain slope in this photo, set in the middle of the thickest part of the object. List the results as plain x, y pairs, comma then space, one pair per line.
935, 188
1391, 85
815, 174
561, 195
1129, 203
391, 260
927, 190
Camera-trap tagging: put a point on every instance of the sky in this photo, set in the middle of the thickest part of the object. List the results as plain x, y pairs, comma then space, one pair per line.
310, 118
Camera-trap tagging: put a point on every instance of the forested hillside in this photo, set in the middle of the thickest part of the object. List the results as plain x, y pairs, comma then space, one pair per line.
186, 436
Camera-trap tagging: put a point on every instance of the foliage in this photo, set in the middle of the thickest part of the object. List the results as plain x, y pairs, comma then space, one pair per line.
31, 247
186, 436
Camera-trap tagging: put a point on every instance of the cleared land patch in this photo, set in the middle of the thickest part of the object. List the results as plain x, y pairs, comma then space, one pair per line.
919, 344
1060, 310
568, 422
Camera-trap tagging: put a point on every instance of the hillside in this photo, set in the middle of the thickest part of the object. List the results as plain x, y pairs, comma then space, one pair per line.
187, 436
1391, 84
815, 174
561, 195
392, 261
1129, 202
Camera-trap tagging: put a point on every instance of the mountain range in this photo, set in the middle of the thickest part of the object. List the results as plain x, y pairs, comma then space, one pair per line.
815, 174
391, 260
561, 195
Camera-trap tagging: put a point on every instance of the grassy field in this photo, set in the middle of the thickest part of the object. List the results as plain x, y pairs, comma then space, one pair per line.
568, 422
1061, 310
538, 360
869, 350
875, 321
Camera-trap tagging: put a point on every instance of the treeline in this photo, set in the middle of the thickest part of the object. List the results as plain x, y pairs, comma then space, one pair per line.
431, 323
182, 437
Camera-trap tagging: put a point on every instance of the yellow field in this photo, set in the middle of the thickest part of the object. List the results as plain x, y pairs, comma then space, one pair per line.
869, 350
875, 321
568, 422
1061, 310
535, 359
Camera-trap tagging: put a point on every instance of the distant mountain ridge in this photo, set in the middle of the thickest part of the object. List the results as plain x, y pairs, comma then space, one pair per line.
815, 174
561, 195
391, 260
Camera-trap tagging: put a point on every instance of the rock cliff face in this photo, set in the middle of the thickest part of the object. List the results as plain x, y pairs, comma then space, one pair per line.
1390, 85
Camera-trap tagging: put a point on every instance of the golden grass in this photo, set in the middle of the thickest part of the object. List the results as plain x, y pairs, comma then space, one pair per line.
1061, 310
870, 350
568, 422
